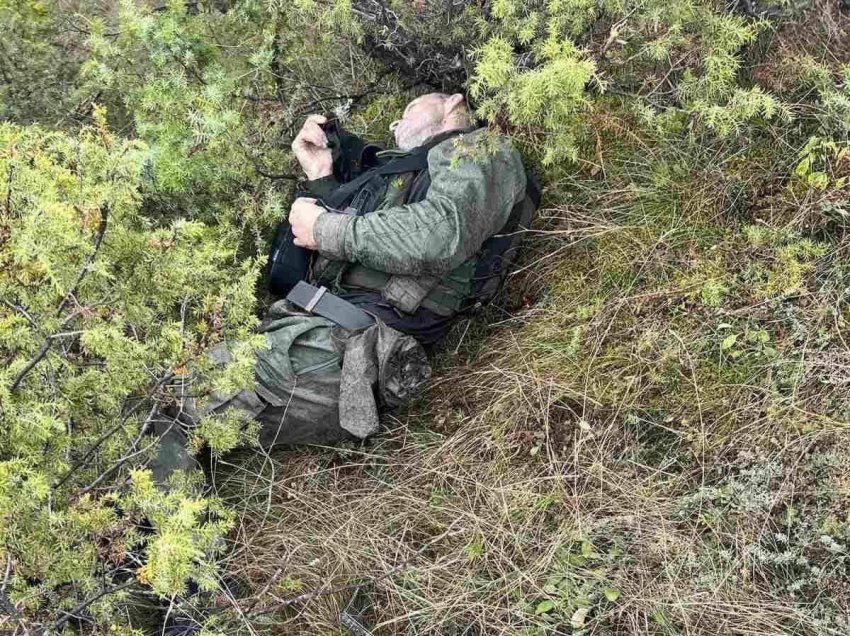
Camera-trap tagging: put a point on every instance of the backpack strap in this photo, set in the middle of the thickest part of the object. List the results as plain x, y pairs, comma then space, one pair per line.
347, 191
415, 161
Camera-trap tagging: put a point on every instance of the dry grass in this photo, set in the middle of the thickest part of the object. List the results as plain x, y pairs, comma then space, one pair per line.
535, 471
460, 532
595, 462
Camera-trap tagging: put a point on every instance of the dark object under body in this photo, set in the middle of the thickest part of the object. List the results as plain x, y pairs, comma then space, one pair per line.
289, 263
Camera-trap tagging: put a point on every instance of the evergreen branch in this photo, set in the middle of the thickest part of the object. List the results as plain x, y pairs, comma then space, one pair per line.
258, 98
133, 453
277, 69
192, 71
405, 52
9, 190
191, 8
48, 343
83, 605
24, 313
38, 357
112, 431
98, 241
355, 98
270, 175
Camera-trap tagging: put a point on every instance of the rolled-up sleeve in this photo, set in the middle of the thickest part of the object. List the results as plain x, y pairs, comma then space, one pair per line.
473, 188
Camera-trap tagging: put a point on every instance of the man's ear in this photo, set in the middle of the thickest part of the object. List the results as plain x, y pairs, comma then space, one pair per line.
452, 102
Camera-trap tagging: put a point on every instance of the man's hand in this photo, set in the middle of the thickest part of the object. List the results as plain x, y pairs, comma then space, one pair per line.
302, 218
311, 149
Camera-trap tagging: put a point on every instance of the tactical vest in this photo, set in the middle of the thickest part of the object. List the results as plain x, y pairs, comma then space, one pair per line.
392, 178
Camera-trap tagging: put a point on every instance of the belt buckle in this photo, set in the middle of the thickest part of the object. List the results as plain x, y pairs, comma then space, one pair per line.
315, 299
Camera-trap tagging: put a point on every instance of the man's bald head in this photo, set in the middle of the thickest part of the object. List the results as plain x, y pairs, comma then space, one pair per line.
430, 115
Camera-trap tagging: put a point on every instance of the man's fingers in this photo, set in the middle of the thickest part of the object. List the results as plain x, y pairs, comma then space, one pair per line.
297, 209
315, 135
302, 219
311, 133
304, 139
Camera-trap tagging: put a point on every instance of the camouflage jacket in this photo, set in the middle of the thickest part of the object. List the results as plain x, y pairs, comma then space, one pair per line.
423, 253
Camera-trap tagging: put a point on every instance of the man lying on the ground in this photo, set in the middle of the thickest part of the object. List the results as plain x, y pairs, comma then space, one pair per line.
407, 266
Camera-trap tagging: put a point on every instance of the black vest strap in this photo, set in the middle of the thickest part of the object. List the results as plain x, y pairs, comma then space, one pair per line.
408, 163
416, 161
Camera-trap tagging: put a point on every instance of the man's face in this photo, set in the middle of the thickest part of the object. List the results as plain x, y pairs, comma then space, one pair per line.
422, 118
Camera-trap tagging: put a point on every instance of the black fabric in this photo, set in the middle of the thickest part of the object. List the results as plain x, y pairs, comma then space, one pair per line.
334, 308
424, 325
322, 187
288, 263
346, 149
374, 182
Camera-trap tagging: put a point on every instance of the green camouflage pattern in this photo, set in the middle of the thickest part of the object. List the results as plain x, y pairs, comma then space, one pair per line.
316, 384
476, 179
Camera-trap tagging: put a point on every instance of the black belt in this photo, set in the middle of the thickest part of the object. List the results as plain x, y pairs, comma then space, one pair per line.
319, 301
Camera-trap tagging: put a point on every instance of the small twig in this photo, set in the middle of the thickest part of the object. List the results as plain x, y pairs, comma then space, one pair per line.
191, 7
112, 431
123, 460
9, 190
7, 606
7, 573
258, 98
23, 312
38, 357
612, 36
79, 608
269, 175
372, 89
265, 589
98, 241
65, 334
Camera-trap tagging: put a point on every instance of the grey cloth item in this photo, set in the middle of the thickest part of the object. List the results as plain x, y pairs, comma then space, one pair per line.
315, 384
384, 358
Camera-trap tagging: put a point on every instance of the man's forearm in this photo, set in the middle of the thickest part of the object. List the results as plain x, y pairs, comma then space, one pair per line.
329, 233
